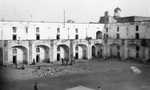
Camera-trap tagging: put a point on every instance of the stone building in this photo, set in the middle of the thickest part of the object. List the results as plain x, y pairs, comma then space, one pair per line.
127, 37
113, 36
48, 42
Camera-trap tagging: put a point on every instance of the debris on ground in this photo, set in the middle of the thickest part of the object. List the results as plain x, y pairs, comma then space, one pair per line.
54, 71
135, 69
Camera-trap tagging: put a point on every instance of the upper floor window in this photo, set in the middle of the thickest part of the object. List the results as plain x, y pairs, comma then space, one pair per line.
137, 28
37, 49
136, 35
118, 36
14, 29
137, 48
76, 36
117, 29
58, 30
37, 29
76, 30
118, 47
26, 29
14, 37
58, 36
106, 29
37, 36
14, 51
106, 36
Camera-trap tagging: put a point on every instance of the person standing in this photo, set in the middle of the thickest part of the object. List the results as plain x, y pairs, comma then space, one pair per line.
99, 88
35, 86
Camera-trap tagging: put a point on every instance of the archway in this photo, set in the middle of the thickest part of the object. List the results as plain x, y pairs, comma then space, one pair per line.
62, 52
133, 51
114, 50
98, 35
1, 56
42, 53
82, 51
97, 50
19, 55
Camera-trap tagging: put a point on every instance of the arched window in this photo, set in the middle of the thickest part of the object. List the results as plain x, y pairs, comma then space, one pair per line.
14, 51
58, 48
98, 35
37, 49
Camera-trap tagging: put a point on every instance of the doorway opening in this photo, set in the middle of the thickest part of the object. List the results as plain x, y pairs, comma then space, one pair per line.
37, 58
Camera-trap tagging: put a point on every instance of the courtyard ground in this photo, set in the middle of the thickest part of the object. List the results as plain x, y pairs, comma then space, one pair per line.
110, 75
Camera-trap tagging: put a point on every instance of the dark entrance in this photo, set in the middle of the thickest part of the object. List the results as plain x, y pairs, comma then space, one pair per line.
37, 58
76, 56
1, 56
14, 59
118, 54
58, 56
93, 51
101, 52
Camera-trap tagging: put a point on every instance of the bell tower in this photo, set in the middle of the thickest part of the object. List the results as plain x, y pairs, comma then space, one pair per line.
117, 12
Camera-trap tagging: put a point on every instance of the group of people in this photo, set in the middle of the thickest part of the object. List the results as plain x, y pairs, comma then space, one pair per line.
66, 62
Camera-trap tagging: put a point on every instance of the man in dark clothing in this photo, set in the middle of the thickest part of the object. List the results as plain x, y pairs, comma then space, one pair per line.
35, 86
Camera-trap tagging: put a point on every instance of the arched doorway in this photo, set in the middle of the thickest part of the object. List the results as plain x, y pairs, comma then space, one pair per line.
42, 53
98, 35
133, 51
97, 50
62, 52
1, 56
82, 51
114, 51
19, 55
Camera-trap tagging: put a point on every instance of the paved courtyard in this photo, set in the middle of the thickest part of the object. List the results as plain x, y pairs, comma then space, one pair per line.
110, 75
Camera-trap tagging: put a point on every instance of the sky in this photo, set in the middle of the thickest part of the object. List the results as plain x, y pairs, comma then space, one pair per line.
76, 10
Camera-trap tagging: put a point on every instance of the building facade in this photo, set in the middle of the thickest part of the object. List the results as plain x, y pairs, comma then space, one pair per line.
114, 36
48, 42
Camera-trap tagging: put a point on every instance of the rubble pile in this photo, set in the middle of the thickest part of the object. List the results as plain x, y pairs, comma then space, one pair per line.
49, 71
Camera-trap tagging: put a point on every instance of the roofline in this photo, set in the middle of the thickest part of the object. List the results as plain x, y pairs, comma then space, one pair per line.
48, 22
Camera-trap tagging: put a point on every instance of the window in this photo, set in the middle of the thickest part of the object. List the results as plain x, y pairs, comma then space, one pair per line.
104, 36
37, 37
137, 48
76, 48
37, 29
117, 29
26, 29
58, 36
106, 29
137, 36
137, 28
118, 47
37, 49
14, 51
14, 37
58, 30
118, 36
76, 30
58, 48
14, 29
76, 37
137, 55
